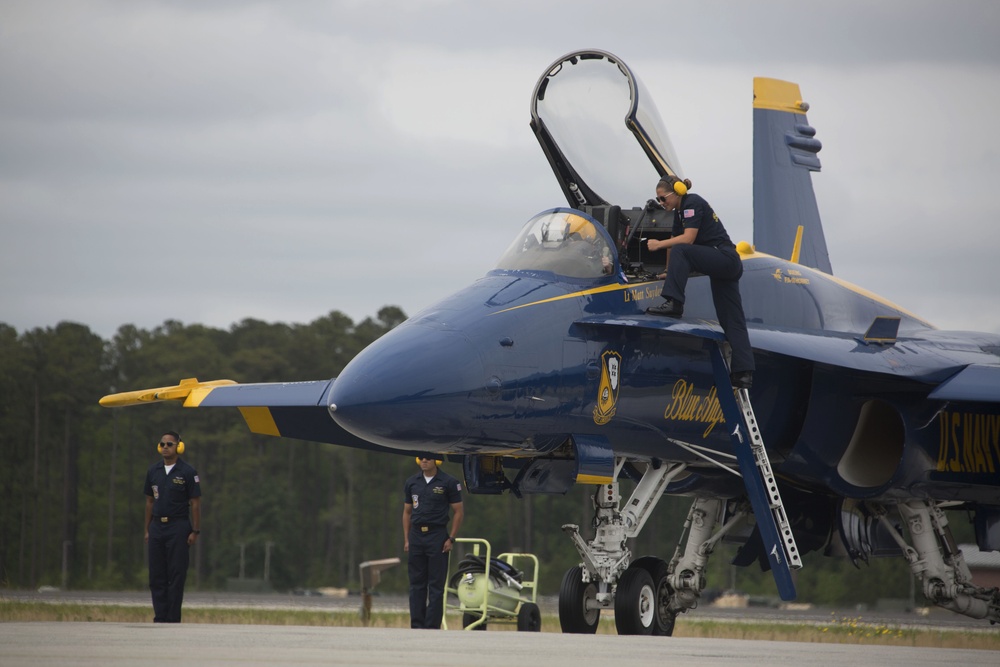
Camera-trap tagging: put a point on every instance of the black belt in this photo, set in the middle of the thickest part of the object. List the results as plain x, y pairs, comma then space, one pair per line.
424, 528
168, 519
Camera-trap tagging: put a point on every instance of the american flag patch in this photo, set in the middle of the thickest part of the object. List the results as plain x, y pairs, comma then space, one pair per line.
459, 486
196, 480
689, 213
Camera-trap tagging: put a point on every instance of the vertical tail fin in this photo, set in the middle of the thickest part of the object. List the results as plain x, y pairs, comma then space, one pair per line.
785, 150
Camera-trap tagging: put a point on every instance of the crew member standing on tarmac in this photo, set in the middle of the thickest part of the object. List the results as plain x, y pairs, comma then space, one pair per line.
426, 538
173, 523
700, 243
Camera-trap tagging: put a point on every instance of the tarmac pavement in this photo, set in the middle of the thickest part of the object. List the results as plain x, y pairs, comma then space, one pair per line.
142, 645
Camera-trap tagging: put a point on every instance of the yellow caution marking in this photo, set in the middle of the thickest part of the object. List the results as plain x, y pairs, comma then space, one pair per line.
259, 420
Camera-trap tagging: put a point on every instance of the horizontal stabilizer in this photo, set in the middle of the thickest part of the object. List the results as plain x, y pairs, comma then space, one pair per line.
975, 383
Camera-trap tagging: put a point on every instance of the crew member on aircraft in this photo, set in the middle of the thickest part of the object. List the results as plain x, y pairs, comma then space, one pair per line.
173, 523
429, 494
700, 243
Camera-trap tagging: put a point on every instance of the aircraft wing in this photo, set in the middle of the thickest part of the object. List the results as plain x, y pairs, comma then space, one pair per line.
975, 383
284, 409
697, 328
905, 358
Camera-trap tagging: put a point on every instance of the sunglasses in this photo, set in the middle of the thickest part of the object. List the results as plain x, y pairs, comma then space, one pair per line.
168, 444
661, 199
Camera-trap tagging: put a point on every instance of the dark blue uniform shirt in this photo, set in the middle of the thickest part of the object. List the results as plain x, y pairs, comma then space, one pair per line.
694, 211
172, 493
431, 500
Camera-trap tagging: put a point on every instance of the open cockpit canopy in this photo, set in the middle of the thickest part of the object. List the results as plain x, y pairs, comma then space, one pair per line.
600, 131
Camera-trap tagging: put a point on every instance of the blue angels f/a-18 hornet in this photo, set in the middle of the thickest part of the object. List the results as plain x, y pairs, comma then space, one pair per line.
547, 372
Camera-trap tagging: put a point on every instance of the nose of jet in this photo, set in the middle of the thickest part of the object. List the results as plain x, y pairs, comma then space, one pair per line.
410, 389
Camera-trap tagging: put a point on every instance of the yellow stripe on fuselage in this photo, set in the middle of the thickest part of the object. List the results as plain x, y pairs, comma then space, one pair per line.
745, 254
574, 295
848, 286
776, 94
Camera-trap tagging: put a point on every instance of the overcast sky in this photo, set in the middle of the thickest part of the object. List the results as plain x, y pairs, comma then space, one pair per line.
213, 160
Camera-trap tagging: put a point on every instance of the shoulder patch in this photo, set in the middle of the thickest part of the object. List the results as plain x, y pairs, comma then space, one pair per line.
689, 213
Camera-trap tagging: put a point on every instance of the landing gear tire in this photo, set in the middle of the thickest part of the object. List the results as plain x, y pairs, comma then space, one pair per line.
529, 618
635, 603
469, 619
574, 594
664, 616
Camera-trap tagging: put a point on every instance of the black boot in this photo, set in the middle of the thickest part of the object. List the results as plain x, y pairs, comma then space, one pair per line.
742, 379
669, 308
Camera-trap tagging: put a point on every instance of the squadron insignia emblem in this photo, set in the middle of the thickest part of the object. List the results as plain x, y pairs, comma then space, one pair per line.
607, 390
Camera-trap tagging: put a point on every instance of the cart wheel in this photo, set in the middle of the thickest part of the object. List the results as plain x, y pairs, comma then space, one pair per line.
574, 617
635, 603
529, 618
665, 617
469, 619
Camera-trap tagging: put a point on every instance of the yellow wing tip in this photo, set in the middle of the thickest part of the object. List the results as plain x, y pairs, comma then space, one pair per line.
777, 94
178, 392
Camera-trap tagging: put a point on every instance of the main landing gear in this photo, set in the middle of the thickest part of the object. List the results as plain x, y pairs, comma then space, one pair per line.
938, 563
647, 593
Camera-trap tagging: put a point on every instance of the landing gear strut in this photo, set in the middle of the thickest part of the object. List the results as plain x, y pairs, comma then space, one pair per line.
938, 563
648, 593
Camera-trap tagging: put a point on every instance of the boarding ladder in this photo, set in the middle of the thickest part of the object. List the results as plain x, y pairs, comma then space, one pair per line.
770, 484
758, 477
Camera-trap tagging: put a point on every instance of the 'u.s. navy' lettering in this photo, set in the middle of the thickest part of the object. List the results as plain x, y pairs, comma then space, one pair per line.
969, 442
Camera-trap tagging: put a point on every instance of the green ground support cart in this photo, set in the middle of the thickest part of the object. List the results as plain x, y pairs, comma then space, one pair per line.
497, 593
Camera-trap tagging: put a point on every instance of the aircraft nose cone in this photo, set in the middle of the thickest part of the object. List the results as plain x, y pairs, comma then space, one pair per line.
410, 389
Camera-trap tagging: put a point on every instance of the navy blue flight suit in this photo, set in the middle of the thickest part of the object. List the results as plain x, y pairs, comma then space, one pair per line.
426, 564
168, 534
714, 255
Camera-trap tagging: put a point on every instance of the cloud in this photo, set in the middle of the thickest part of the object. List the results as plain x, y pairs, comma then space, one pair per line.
211, 161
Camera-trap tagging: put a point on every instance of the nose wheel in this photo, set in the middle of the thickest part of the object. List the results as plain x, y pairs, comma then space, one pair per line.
579, 612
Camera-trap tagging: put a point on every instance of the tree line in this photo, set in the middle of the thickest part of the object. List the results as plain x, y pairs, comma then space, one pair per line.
302, 515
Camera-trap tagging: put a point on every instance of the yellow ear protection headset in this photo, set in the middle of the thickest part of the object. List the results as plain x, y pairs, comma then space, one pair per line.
180, 443
437, 462
678, 185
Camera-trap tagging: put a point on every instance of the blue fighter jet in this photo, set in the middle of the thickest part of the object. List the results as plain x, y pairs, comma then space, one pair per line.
863, 425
